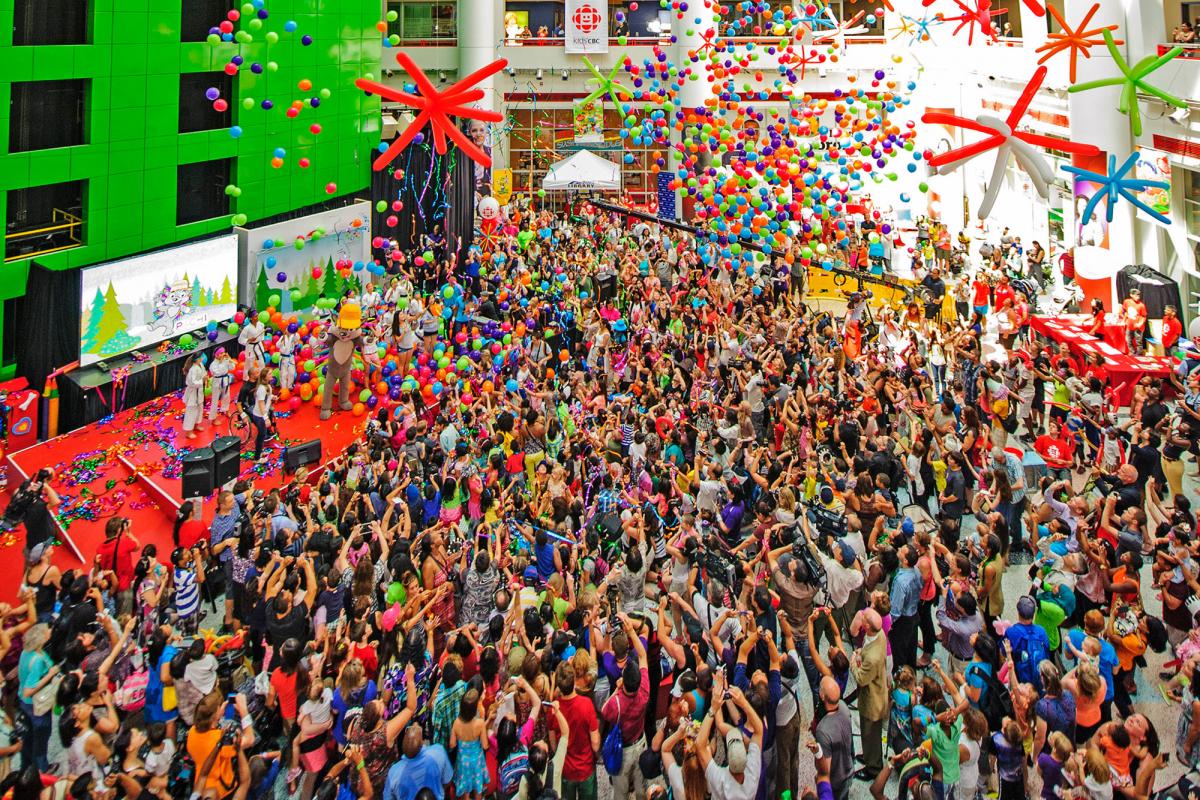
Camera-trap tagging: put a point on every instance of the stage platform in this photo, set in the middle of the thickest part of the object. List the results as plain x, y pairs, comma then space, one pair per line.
129, 464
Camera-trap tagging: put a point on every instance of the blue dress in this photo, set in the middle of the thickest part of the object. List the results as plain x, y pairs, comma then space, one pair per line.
470, 773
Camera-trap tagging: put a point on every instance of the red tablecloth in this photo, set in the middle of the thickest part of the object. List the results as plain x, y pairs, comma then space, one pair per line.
1124, 370
1070, 329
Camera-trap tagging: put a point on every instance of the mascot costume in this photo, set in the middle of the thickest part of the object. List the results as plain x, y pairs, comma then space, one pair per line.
344, 338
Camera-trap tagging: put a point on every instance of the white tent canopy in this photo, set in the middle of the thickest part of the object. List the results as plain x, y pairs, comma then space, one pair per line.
582, 171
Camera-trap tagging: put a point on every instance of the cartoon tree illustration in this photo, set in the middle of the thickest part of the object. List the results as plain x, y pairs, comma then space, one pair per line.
111, 322
312, 293
91, 331
197, 293
333, 281
209, 298
226, 295
262, 290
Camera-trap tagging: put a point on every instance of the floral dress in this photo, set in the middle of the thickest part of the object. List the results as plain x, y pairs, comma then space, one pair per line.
470, 770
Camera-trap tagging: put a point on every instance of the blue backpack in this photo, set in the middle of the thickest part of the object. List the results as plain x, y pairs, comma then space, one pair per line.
613, 749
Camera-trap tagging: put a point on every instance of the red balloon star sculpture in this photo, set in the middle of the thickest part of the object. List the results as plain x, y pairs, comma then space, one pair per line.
437, 109
979, 13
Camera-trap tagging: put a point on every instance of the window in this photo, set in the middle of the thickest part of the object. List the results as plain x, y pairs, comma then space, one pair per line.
46, 114
423, 20
43, 22
201, 193
538, 137
1191, 202
43, 219
201, 16
760, 24
196, 112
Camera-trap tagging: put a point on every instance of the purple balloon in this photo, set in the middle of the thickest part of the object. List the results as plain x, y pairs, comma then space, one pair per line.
213, 93
306, 40
281, 277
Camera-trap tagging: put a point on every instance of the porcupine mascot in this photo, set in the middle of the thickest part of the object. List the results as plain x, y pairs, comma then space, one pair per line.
343, 339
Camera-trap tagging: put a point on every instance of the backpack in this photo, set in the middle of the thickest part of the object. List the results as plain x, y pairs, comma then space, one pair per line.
19, 505
995, 702
1028, 657
181, 775
512, 770
131, 694
613, 748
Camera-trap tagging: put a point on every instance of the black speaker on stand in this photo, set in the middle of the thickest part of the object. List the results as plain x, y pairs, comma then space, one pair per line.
227, 459
197, 476
299, 455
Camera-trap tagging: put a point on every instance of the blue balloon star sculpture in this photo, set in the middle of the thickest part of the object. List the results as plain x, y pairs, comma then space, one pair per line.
1115, 185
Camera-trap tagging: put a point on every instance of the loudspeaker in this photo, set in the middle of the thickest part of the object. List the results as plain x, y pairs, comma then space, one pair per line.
606, 287
299, 455
227, 452
197, 473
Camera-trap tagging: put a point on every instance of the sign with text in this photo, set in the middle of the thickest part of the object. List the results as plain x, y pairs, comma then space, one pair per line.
587, 26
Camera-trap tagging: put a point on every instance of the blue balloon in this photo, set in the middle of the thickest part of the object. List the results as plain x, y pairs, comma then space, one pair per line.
290, 25
271, 261
235, 132
511, 385
268, 244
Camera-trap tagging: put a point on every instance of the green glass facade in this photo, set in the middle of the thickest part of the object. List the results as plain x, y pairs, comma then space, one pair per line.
130, 162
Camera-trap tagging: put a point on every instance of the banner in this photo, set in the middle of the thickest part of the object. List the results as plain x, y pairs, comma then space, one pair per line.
1092, 232
587, 26
1153, 165
589, 122
502, 185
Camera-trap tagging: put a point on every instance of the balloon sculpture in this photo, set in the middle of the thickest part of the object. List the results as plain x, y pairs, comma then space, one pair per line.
1003, 136
1115, 184
1076, 40
437, 109
1133, 79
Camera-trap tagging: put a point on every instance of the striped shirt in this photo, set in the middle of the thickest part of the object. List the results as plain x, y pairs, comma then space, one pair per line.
187, 593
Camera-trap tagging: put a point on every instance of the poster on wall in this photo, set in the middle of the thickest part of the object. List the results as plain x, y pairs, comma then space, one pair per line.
1092, 232
135, 303
1154, 165
587, 26
480, 134
502, 185
588, 121
296, 262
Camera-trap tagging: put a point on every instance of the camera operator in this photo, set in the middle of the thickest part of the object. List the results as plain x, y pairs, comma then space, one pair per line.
31, 504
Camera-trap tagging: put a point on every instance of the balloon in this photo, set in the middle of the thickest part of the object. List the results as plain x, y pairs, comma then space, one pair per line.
186, 340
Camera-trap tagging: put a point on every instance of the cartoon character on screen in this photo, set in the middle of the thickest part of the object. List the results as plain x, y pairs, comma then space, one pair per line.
250, 338
221, 373
286, 345
344, 337
171, 305
194, 376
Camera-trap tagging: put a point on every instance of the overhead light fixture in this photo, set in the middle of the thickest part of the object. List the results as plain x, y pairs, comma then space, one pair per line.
441, 76
540, 74
565, 75
512, 72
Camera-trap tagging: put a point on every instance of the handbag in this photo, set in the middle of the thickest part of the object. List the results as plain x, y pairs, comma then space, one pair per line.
43, 698
613, 749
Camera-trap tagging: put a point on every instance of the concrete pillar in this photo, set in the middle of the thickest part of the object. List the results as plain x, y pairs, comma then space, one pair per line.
478, 32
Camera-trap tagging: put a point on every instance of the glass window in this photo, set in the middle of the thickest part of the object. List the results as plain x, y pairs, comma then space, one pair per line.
424, 20
1191, 201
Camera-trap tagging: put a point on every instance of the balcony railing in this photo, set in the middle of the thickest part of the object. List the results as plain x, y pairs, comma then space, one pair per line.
63, 233
1189, 50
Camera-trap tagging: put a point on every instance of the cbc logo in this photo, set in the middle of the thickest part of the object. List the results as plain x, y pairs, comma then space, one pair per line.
587, 18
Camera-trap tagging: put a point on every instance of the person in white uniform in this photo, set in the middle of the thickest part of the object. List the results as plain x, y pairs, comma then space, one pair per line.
286, 346
194, 376
221, 373
251, 338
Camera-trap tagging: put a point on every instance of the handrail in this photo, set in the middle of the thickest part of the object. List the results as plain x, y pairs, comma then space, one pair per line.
1189, 50
61, 221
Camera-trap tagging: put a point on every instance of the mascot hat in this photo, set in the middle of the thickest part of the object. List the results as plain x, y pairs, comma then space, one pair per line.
350, 317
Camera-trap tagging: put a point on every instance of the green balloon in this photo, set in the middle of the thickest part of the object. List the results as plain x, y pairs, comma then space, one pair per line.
240, 219
232, 329
524, 238
364, 395
381, 206
299, 244
186, 340
273, 300
402, 303
395, 593
272, 37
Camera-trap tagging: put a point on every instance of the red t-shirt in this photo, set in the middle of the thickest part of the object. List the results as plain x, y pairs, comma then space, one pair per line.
119, 554
192, 532
1134, 312
1172, 330
1004, 292
580, 714
979, 293
1056, 452
285, 689
369, 659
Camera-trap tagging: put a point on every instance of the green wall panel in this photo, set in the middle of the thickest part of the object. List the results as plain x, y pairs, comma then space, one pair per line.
130, 162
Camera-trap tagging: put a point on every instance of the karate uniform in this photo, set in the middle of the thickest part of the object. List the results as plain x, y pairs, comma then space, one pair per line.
193, 396
221, 373
287, 359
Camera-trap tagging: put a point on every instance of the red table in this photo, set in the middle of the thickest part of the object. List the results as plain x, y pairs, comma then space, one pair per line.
1069, 328
1122, 368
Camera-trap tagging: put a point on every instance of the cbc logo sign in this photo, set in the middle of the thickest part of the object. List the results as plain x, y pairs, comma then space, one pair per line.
587, 19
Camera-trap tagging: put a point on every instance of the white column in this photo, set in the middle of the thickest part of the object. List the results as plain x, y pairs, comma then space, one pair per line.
478, 32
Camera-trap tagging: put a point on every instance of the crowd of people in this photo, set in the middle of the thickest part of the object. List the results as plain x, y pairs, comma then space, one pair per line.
700, 534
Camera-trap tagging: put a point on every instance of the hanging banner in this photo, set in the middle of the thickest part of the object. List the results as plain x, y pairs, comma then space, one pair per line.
588, 121
1153, 165
502, 185
587, 26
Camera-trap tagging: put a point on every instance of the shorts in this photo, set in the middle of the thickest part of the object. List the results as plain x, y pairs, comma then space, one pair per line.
980, 310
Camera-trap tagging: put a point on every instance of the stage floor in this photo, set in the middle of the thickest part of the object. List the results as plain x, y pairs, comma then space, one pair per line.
94, 478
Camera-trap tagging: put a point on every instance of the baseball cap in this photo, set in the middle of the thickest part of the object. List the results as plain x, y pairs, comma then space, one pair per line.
735, 748
845, 552
907, 527
1026, 607
37, 551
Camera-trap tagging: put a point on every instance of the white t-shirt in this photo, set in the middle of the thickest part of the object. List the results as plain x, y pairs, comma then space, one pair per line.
319, 711
724, 787
158, 762
968, 771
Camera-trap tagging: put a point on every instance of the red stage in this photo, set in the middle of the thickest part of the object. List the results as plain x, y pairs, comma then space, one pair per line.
128, 464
